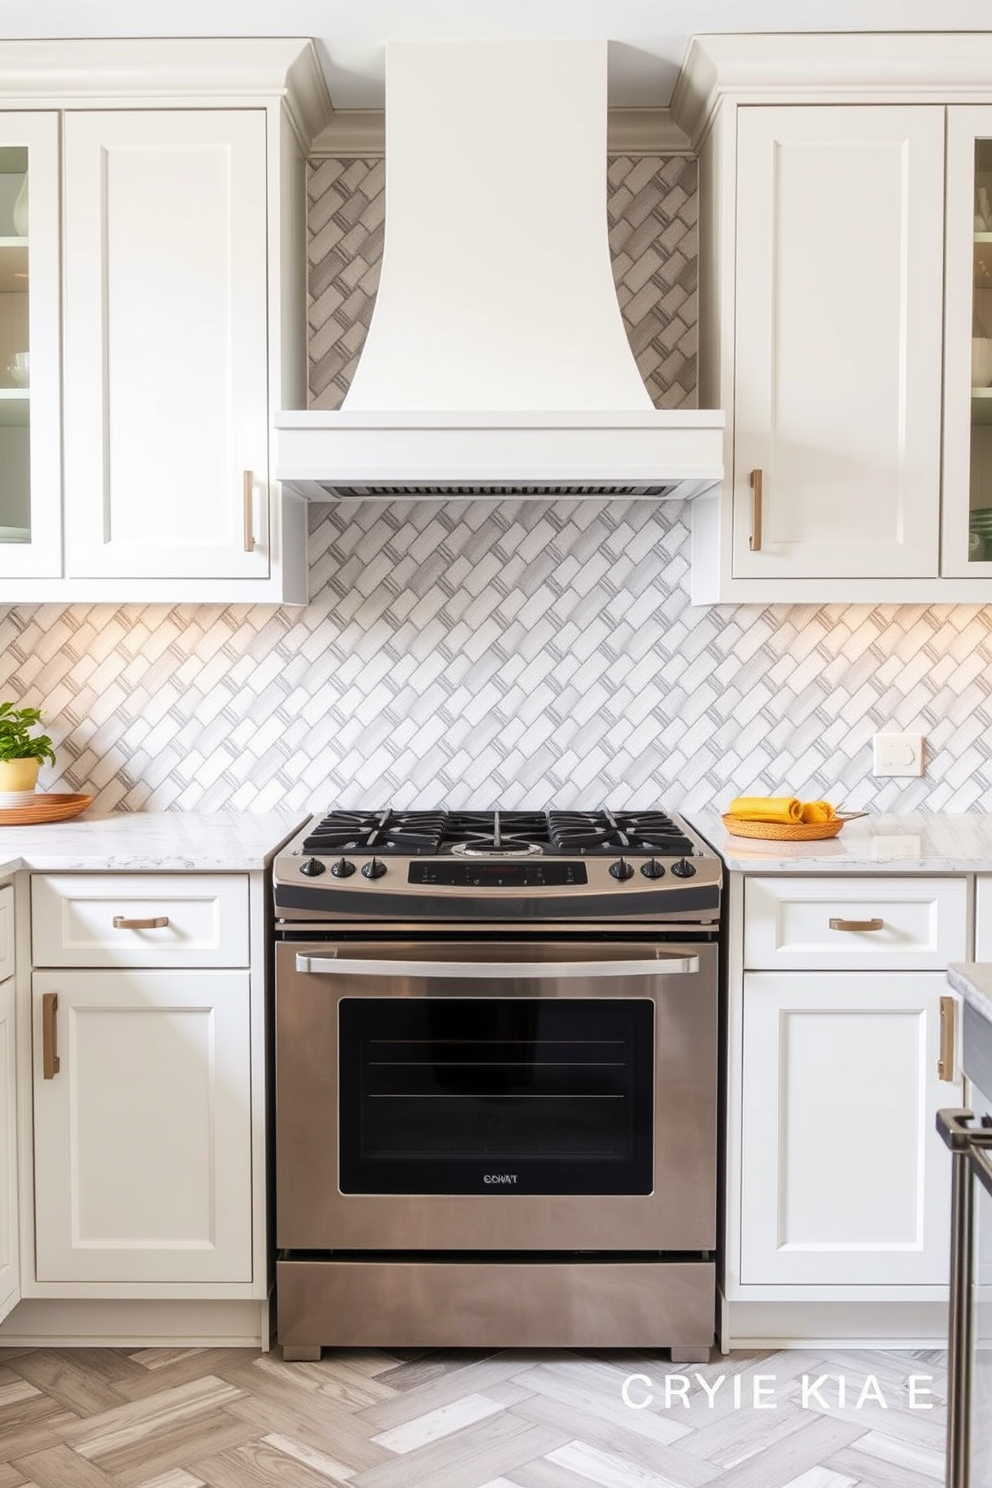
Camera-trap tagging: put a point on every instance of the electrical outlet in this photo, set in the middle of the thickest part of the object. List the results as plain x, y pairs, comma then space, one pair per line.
898, 754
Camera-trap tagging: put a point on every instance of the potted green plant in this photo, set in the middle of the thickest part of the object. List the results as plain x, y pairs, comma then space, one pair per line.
20, 754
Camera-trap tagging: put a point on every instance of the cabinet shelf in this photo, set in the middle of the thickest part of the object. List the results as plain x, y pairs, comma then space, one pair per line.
981, 405
15, 405
13, 265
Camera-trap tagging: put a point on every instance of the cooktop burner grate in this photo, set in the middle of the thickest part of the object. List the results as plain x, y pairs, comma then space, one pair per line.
497, 833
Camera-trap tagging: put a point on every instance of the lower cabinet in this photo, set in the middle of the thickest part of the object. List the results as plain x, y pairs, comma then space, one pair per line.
142, 1126
844, 1180
9, 1268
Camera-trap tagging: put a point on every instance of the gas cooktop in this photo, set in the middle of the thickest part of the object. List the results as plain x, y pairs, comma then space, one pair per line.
446, 866
497, 833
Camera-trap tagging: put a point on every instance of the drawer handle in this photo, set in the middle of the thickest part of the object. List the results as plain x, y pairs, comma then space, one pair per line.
249, 508
945, 1061
754, 541
857, 924
158, 923
49, 1035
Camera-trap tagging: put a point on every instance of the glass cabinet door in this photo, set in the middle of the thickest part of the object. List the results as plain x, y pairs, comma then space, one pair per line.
30, 439
967, 494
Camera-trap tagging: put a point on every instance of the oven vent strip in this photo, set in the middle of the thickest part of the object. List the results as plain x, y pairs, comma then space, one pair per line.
503, 1257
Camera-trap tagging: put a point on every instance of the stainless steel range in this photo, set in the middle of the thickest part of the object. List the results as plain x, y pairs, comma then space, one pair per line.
496, 1081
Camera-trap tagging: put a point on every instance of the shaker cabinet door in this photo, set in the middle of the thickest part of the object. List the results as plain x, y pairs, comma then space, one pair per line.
166, 389
844, 1178
142, 1126
837, 352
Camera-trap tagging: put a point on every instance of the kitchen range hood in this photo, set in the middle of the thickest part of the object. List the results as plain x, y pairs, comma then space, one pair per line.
496, 362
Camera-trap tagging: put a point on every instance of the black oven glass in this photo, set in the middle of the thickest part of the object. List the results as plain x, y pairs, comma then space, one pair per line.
496, 1095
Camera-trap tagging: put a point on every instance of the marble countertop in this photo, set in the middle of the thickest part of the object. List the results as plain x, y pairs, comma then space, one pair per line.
973, 979
165, 841
920, 842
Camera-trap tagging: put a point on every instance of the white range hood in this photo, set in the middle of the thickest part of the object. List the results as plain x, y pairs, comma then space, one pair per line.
496, 362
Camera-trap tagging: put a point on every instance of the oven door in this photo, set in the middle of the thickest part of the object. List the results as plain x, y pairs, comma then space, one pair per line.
512, 1095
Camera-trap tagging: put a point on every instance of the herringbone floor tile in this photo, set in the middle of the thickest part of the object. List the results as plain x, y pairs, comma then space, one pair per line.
235, 1418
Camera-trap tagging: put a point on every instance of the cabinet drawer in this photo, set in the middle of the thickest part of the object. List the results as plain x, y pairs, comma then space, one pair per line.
787, 922
205, 914
6, 932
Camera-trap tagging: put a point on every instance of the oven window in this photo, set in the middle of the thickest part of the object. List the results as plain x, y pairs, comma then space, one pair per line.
496, 1095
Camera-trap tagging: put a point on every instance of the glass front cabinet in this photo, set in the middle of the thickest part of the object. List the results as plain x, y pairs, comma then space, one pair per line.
967, 495
30, 440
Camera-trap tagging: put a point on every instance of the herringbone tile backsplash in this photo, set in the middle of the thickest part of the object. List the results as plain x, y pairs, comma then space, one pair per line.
500, 652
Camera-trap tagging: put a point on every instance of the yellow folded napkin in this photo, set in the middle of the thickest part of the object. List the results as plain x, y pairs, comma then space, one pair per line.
818, 811
766, 808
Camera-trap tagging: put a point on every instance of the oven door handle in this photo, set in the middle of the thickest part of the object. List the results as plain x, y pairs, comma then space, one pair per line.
498, 970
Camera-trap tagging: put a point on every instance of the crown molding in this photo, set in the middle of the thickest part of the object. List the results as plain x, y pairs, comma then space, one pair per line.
834, 67
362, 133
126, 72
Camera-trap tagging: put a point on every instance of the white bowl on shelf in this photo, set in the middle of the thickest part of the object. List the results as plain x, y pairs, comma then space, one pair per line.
981, 361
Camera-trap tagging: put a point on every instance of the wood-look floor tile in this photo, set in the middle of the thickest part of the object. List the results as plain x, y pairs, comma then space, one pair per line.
547, 1474
258, 1464
179, 1478
307, 1416
887, 1448
61, 1467
605, 1469
591, 1400
321, 1462
731, 1439
435, 1424
612, 1437
69, 1380
183, 1366
784, 1460
103, 1435
21, 1438
10, 1476
372, 1362
176, 1446
13, 1391
352, 1388
489, 1449
431, 1365
822, 1477
476, 1377
872, 1471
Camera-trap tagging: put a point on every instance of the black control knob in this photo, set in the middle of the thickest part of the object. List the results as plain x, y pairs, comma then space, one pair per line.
652, 868
373, 868
313, 867
342, 868
683, 868
621, 869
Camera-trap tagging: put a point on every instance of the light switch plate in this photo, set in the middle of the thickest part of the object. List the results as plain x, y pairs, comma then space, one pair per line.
898, 754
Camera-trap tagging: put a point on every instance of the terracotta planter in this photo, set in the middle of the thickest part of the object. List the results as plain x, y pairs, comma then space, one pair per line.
19, 775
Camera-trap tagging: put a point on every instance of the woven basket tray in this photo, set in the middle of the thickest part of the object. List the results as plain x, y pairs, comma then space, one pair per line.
788, 831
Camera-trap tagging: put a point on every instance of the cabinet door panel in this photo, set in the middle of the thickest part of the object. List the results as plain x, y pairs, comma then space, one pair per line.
166, 379
844, 1178
983, 918
143, 1136
10, 1293
838, 340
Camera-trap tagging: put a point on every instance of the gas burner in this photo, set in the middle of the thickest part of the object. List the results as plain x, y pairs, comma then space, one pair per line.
496, 834
414, 832
608, 832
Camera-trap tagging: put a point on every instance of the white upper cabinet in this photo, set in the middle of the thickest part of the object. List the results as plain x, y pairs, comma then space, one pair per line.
838, 342
166, 387
30, 467
179, 262
858, 453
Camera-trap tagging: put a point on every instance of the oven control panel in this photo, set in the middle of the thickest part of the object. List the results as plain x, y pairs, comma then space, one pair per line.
466, 874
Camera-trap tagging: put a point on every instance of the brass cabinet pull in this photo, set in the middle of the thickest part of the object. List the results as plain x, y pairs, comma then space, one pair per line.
158, 923
49, 1035
945, 1060
249, 518
754, 541
857, 924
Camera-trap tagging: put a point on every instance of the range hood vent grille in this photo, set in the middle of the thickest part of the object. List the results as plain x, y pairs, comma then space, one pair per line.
550, 490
